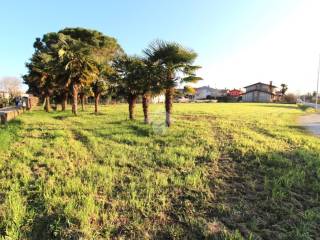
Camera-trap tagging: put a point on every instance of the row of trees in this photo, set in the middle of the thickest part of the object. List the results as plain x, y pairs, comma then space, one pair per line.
82, 62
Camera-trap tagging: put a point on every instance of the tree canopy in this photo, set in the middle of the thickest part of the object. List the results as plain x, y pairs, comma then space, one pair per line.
70, 58
79, 61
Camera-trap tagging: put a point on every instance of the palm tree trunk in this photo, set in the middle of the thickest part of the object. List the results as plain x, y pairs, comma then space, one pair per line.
82, 101
47, 106
132, 103
168, 105
96, 102
64, 102
75, 89
145, 106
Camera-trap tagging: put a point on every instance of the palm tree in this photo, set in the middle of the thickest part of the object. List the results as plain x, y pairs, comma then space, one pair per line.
40, 77
99, 87
177, 61
127, 80
85, 91
80, 69
284, 88
78, 56
151, 75
97, 50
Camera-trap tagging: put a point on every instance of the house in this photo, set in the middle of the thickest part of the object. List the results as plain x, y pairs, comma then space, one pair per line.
235, 93
208, 92
278, 96
158, 99
259, 92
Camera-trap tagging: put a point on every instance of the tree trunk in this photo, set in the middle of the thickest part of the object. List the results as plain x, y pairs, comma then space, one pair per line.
64, 102
145, 106
82, 101
96, 102
132, 102
168, 103
75, 89
47, 106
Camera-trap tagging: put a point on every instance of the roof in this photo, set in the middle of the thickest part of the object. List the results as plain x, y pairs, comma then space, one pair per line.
260, 83
204, 87
235, 90
258, 90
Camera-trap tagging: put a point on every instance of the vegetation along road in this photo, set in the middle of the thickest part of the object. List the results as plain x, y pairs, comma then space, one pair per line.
222, 171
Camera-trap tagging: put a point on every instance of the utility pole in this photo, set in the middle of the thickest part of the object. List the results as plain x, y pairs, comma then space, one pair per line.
317, 95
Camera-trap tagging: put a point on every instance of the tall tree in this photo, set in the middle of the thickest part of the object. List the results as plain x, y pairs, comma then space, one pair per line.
178, 64
12, 85
151, 75
284, 89
99, 87
99, 49
80, 69
127, 80
40, 77
78, 55
85, 92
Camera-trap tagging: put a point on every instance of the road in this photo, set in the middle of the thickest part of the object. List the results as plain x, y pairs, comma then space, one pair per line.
311, 123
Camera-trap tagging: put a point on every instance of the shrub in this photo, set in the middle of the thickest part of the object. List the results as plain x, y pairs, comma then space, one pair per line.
290, 98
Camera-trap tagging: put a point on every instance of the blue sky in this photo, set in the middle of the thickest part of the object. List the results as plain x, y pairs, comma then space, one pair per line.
227, 34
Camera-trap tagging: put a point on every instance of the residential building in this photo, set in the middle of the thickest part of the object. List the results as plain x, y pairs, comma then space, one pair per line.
158, 99
208, 92
235, 93
259, 92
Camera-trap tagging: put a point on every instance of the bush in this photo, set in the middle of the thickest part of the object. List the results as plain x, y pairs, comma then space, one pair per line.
290, 98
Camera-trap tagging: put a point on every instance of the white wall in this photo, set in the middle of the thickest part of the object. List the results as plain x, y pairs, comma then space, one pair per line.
158, 99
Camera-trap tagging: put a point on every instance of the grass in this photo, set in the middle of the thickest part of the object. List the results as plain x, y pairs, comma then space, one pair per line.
223, 171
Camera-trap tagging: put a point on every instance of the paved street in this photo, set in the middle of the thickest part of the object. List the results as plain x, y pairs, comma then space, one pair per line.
311, 123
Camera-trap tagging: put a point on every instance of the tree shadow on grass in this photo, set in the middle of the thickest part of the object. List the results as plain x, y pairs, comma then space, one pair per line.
141, 131
53, 226
61, 117
293, 106
261, 196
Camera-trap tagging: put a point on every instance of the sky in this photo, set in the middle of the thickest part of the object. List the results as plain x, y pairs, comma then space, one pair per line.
239, 42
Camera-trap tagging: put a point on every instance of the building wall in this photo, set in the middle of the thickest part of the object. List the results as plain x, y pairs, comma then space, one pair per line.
158, 99
203, 92
261, 87
257, 96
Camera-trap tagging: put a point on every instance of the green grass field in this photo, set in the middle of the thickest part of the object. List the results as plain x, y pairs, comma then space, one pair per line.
223, 171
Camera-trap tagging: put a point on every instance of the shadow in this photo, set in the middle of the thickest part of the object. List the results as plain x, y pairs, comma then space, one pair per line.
263, 195
140, 131
298, 128
98, 114
53, 226
14, 123
272, 105
60, 117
